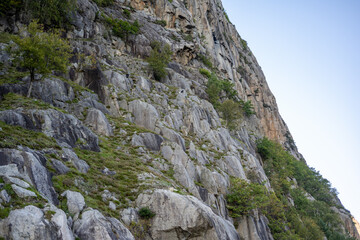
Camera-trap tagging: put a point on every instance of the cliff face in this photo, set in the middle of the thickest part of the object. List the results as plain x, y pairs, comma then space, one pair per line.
119, 142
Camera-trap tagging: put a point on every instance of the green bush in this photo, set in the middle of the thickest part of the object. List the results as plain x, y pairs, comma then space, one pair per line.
51, 13
159, 58
123, 29
205, 72
244, 44
161, 22
8, 7
216, 86
308, 219
127, 13
104, 3
248, 108
205, 61
244, 196
146, 213
231, 112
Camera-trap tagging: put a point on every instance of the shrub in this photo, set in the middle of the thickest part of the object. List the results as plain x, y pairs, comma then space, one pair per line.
205, 72
8, 7
146, 213
244, 197
159, 58
161, 22
244, 44
40, 52
216, 86
205, 60
127, 13
308, 219
248, 108
123, 29
104, 3
51, 13
231, 111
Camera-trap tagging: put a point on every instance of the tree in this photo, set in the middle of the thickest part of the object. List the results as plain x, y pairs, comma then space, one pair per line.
40, 52
158, 60
51, 13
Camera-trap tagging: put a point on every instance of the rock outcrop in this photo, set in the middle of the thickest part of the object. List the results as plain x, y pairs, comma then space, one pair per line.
137, 158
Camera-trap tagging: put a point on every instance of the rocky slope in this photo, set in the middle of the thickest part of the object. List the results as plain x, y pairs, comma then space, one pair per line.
106, 140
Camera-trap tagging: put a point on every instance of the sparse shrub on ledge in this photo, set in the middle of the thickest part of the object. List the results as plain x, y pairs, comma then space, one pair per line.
146, 213
161, 22
205, 72
205, 61
104, 3
159, 58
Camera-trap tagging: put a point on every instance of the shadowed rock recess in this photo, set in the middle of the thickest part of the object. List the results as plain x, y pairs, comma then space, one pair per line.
105, 151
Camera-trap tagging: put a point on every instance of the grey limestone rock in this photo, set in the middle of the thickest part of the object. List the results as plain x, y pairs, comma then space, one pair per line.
254, 228
63, 127
17, 181
75, 201
70, 155
5, 196
145, 114
179, 217
28, 165
129, 215
98, 122
27, 223
53, 91
22, 192
93, 226
150, 140
59, 166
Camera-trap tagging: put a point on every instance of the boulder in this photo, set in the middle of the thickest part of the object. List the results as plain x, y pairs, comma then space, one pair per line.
179, 217
59, 166
145, 114
93, 226
98, 122
70, 155
27, 223
75, 201
150, 140
22, 192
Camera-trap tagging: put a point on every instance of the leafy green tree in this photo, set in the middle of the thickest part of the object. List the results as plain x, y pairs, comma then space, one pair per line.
51, 13
123, 29
7, 7
159, 58
244, 196
231, 112
40, 52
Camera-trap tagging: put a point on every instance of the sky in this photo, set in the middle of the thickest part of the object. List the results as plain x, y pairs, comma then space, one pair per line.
309, 51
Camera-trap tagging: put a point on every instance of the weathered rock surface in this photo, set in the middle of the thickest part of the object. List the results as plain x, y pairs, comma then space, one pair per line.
93, 226
98, 122
65, 128
30, 223
252, 228
179, 217
75, 201
150, 140
30, 166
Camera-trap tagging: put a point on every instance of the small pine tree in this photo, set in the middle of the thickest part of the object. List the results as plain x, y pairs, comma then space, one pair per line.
40, 52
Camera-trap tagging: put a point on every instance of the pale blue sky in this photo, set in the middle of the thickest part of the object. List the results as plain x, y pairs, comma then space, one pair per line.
309, 51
